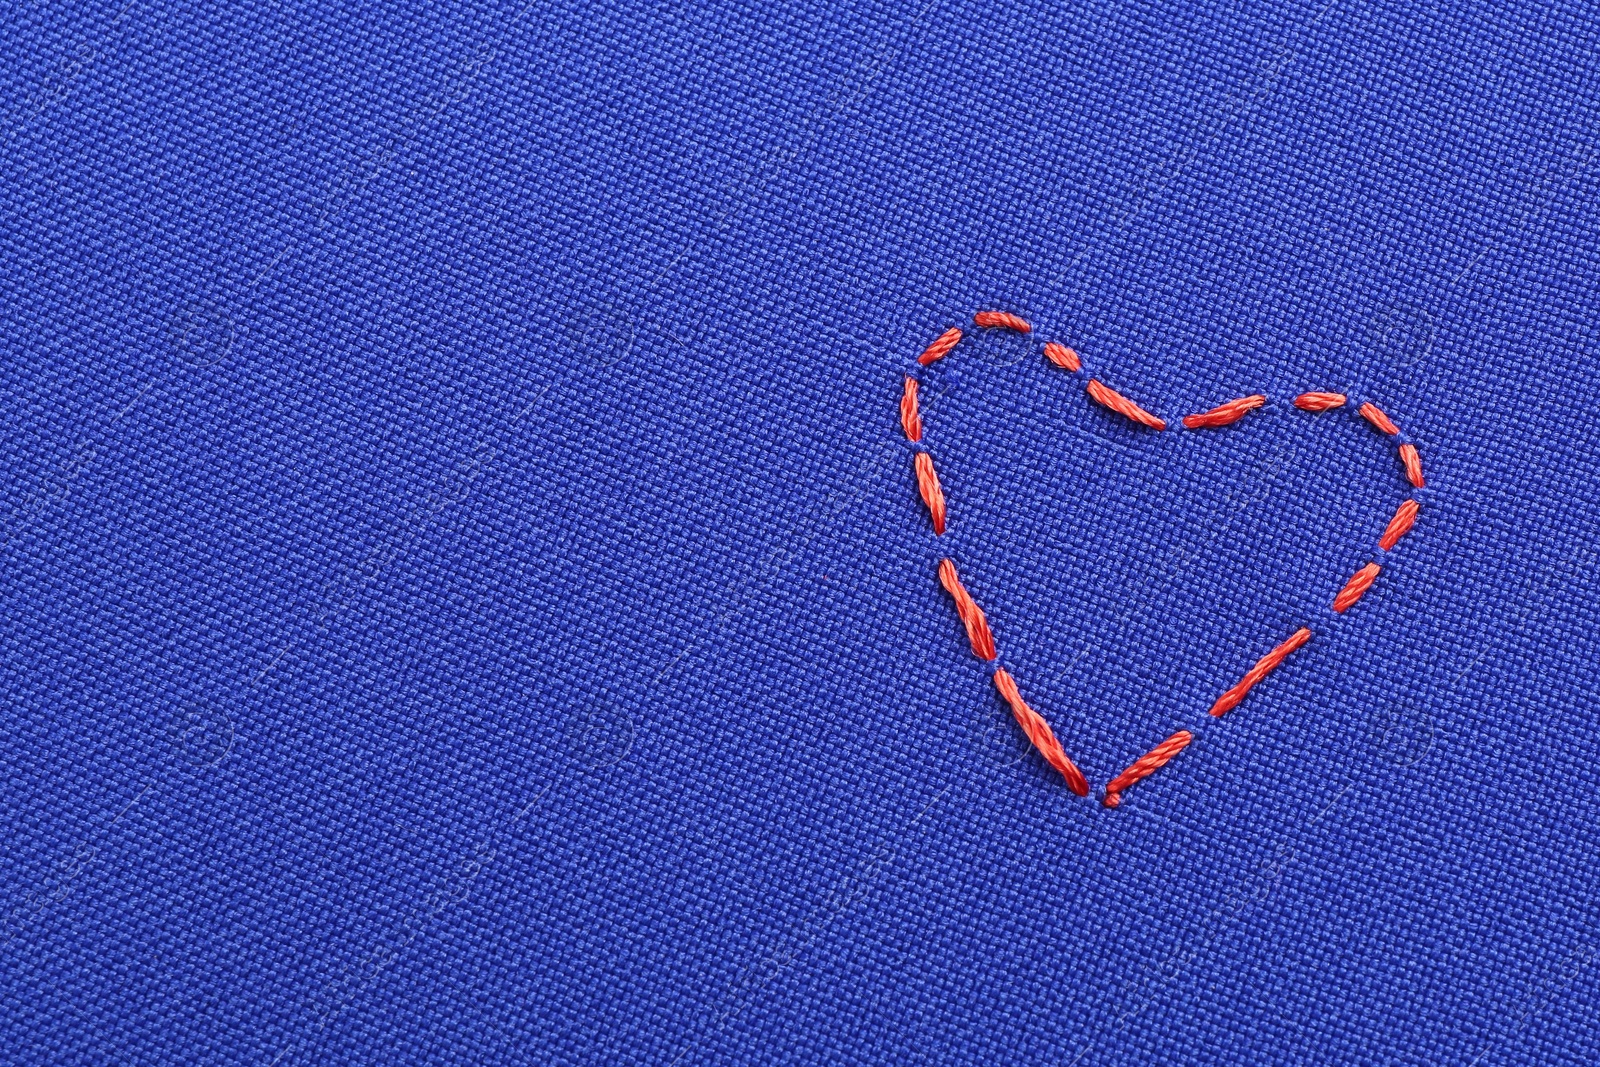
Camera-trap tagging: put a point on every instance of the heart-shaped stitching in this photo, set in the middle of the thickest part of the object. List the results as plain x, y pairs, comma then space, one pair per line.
976, 623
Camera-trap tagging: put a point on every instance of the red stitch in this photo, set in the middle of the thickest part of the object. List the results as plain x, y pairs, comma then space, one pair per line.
1399, 526
1062, 356
1320, 401
1231, 412
1145, 766
1109, 397
1002, 318
909, 419
932, 493
1373, 414
971, 615
977, 625
1358, 584
1039, 732
1413, 462
1264, 666
941, 346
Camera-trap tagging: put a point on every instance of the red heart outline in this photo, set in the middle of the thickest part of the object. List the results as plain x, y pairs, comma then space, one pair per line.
976, 623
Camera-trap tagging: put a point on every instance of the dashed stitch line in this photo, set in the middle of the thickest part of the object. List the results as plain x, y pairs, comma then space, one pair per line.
1358, 584
1405, 515
1228, 413
1003, 319
1264, 666
980, 636
941, 346
932, 493
1062, 356
1409, 457
978, 632
1374, 414
1039, 732
1145, 766
1320, 401
910, 420
1108, 397
1413, 465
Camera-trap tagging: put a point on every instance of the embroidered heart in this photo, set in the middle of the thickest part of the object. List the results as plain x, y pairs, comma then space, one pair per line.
976, 623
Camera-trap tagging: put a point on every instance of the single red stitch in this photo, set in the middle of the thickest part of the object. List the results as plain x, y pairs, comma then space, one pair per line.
1145, 766
1108, 397
1358, 584
1039, 732
1002, 318
1413, 461
941, 346
932, 492
971, 615
909, 419
1062, 356
1222, 415
1373, 414
1404, 517
1264, 666
1320, 401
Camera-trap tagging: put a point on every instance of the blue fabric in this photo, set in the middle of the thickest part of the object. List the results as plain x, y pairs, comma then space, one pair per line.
465, 597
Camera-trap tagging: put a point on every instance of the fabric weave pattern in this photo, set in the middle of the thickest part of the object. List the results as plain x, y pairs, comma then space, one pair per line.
464, 595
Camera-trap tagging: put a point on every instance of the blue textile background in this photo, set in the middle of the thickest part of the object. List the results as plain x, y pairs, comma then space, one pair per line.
465, 598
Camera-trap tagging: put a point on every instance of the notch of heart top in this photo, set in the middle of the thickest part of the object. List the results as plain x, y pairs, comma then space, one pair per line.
976, 623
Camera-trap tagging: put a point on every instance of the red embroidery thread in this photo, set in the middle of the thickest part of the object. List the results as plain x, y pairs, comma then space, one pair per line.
1108, 397
1320, 401
1264, 666
1358, 584
941, 346
1039, 732
1002, 319
978, 632
932, 492
976, 624
1231, 412
1404, 517
1062, 356
1145, 766
1413, 463
910, 420
1374, 414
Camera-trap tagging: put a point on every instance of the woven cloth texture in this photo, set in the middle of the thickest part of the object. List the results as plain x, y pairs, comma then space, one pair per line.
464, 596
